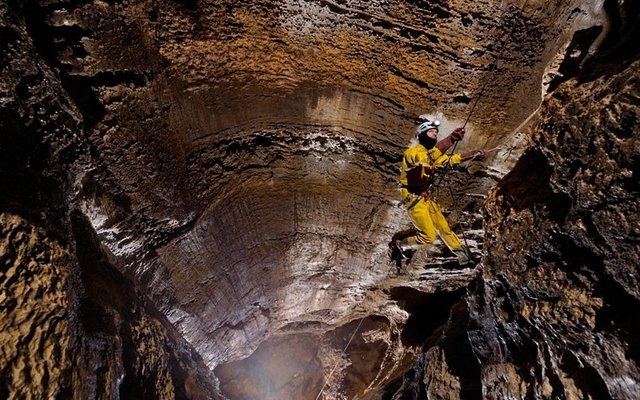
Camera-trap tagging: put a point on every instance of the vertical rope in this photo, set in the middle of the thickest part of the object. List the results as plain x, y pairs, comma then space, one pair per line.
341, 354
447, 165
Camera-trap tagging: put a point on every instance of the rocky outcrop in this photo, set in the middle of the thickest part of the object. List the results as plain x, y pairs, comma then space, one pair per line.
563, 252
71, 325
35, 328
204, 192
554, 315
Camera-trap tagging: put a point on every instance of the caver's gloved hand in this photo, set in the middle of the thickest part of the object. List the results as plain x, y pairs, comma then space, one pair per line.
457, 134
478, 154
447, 142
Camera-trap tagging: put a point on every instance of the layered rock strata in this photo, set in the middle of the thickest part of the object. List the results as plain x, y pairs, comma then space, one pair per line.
204, 191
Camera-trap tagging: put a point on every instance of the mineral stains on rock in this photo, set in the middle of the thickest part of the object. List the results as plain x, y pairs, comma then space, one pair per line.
196, 199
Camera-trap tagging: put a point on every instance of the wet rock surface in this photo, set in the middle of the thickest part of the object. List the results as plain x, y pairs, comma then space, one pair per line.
196, 200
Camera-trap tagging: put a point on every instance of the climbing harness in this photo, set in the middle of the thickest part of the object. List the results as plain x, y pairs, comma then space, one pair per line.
404, 201
416, 199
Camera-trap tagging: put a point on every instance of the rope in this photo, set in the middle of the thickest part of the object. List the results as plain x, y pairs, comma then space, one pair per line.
447, 165
475, 103
341, 354
466, 248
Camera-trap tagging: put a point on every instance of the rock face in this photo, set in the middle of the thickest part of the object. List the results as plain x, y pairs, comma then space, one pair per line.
196, 199
564, 251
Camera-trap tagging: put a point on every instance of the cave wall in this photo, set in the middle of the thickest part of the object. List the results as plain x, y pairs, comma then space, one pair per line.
243, 106
72, 325
563, 255
556, 316
178, 176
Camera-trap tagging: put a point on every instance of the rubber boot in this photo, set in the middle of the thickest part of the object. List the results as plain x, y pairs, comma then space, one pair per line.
464, 256
408, 246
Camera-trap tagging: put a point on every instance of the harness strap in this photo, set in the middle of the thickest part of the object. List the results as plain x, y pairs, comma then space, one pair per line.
416, 199
415, 202
405, 200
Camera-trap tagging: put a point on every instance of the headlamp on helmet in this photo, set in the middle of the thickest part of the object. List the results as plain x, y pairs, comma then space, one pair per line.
425, 126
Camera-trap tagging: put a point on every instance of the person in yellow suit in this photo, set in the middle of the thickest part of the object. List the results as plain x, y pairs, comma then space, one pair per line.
419, 166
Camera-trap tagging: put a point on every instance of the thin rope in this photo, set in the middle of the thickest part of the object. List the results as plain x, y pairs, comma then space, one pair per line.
475, 103
462, 231
447, 164
341, 354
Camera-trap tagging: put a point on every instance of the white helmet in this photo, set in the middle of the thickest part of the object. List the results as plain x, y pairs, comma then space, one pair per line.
425, 126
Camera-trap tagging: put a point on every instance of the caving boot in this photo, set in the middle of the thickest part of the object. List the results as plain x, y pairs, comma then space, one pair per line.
401, 252
408, 246
395, 251
465, 256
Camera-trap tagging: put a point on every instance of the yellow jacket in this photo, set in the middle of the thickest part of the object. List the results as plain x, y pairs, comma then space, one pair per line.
418, 155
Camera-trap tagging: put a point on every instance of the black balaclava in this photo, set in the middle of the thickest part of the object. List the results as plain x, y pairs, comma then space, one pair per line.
426, 141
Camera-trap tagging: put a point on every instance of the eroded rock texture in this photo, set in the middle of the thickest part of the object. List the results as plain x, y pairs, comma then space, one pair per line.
564, 250
72, 325
196, 199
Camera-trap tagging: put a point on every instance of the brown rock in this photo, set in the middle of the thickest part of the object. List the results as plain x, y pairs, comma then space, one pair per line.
196, 199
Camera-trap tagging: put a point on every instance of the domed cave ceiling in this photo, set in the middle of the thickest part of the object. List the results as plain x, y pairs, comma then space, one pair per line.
197, 197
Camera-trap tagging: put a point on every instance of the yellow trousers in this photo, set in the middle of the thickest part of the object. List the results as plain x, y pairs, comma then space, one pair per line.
428, 219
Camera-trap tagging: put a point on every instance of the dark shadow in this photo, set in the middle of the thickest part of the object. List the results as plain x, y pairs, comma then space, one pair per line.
397, 257
451, 336
619, 49
428, 312
575, 55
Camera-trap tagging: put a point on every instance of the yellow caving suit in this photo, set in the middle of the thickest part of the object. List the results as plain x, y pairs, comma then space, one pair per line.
425, 213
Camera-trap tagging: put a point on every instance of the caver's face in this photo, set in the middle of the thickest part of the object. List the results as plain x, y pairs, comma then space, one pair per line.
432, 133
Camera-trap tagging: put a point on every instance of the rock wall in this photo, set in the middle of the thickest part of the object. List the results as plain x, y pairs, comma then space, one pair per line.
554, 315
36, 330
563, 251
205, 191
72, 325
